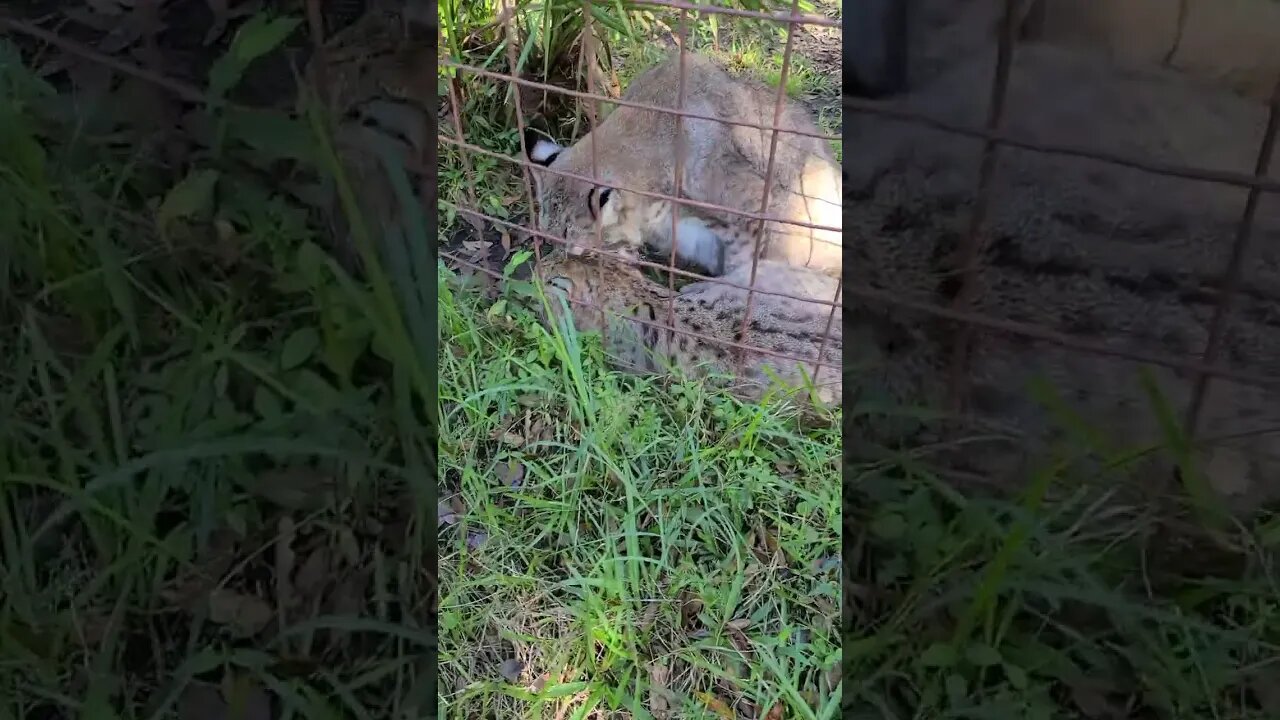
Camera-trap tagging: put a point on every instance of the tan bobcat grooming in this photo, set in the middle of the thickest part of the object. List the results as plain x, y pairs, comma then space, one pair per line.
780, 325
723, 165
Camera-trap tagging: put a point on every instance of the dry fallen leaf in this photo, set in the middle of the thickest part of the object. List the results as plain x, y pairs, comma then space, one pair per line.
445, 514
246, 700
649, 615
775, 712
243, 700
716, 705
348, 550
244, 615
658, 705
191, 588
301, 489
510, 670
1093, 703
510, 473
737, 636
690, 606
476, 224
770, 541
201, 701
312, 574
347, 599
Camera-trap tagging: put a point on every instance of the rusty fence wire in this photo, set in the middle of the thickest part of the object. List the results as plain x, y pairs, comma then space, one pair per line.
591, 102
971, 323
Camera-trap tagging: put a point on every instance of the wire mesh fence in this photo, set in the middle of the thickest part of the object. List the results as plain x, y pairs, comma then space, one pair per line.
1201, 368
676, 198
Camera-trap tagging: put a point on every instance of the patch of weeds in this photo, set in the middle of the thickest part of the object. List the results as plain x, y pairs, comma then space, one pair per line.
610, 544
751, 58
214, 459
1065, 602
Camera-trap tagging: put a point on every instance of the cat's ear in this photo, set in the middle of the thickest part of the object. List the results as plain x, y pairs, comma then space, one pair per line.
541, 150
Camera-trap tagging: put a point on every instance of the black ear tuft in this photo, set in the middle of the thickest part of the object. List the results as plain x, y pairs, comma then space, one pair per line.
531, 138
540, 149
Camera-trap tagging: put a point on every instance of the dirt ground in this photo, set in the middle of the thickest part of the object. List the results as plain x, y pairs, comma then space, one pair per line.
1118, 257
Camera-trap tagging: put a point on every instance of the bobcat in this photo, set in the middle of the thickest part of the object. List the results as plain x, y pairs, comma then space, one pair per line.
782, 325
723, 165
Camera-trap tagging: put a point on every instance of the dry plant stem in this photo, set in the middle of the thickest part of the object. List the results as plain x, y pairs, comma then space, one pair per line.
446, 62
975, 242
588, 57
1235, 266
776, 18
455, 104
645, 193
510, 29
651, 323
826, 332
768, 170
679, 171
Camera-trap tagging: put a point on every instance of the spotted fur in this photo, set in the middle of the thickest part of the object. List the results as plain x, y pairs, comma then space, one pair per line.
633, 311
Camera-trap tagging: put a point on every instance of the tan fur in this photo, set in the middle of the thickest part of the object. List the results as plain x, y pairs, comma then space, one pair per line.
723, 165
780, 325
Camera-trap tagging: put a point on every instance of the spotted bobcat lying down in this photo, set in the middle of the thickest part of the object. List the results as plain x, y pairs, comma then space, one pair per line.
722, 165
781, 325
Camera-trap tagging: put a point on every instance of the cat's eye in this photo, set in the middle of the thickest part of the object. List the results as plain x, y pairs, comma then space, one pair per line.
596, 198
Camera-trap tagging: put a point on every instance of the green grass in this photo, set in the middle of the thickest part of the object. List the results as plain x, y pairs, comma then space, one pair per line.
1078, 605
615, 546
606, 532
217, 465
215, 459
